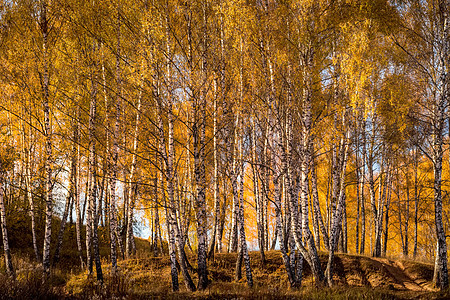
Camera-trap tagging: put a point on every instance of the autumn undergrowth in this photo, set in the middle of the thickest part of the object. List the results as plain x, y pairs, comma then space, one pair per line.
148, 277
29, 282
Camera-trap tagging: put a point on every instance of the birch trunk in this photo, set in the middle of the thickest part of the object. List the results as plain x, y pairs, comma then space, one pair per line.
6, 252
78, 222
358, 171
363, 201
71, 195
166, 172
173, 215
69, 200
406, 223
156, 224
234, 175
337, 215
243, 241
215, 182
199, 158
280, 232
257, 196
112, 199
437, 168
222, 217
438, 124
102, 208
442, 98
199, 162
380, 209
170, 231
95, 242
316, 207
279, 229
265, 183
416, 200
344, 230
387, 207
132, 185
44, 26
27, 154
91, 220
310, 255
436, 271
292, 203
375, 209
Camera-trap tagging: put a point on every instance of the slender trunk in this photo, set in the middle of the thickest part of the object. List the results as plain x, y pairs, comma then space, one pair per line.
199, 162
316, 207
199, 159
328, 199
77, 188
309, 255
243, 241
256, 193
189, 203
344, 230
156, 223
238, 269
222, 217
170, 191
62, 226
441, 102
91, 220
95, 242
279, 229
234, 218
240, 212
215, 182
358, 184
375, 209
338, 212
101, 208
406, 223
6, 252
71, 195
383, 184
86, 193
48, 144
112, 205
132, 186
292, 203
234, 176
400, 219
108, 161
363, 182
436, 271
437, 168
27, 154
171, 234
387, 206
166, 172
416, 200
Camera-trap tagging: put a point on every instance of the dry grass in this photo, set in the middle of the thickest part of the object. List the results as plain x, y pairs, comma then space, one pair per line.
356, 277
29, 283
147, 277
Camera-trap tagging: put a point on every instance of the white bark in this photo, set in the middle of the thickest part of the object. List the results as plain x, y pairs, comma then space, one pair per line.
6, 251
48, 143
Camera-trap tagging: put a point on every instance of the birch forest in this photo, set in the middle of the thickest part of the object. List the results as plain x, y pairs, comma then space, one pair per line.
221, 139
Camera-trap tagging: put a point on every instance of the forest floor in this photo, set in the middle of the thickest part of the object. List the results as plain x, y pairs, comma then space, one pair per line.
147, 277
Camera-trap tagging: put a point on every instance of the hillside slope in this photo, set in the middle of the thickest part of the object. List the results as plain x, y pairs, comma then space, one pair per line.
355, 277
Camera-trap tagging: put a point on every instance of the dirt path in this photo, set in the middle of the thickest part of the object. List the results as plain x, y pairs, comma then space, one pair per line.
399, 275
